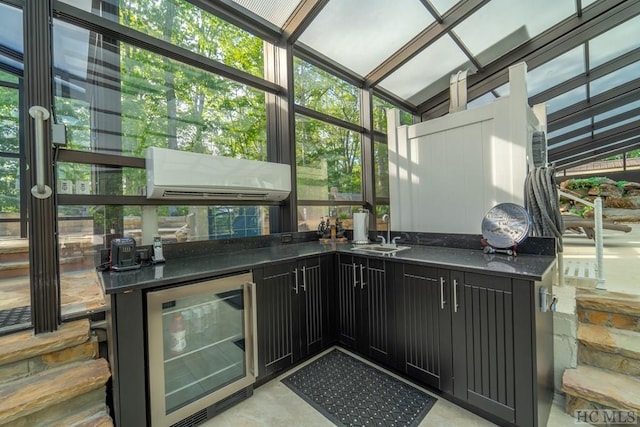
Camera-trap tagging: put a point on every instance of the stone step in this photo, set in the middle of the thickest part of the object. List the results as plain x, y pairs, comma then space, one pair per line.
32, 365
23, 345
609, 348
589, 387
35, 393
14, 269
611, 309
87, 410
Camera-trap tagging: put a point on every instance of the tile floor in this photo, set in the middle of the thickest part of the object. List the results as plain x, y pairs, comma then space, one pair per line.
274, 404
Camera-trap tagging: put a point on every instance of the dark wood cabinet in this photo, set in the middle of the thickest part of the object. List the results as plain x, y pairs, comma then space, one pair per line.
293, 319
478, 338
366, 312
500, 359
424, 320
483, 326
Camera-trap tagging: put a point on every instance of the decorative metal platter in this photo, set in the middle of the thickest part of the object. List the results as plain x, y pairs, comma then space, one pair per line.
506, 225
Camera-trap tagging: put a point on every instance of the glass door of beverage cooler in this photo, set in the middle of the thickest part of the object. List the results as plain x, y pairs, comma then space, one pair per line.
202, 345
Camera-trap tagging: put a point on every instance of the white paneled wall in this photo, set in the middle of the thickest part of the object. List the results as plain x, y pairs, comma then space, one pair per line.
446, 173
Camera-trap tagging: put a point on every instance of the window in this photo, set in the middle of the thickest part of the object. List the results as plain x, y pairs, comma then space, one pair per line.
320, 91
187, 26
123, 99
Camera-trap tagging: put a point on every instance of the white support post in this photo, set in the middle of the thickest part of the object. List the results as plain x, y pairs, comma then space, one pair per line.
599, 243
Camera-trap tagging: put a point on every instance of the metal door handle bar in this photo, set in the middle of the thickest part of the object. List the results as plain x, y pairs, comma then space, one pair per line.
40, 190
254, 326
304, 278
455, 296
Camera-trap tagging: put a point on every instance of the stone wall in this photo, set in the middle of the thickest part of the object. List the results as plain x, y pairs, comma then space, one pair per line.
620, 199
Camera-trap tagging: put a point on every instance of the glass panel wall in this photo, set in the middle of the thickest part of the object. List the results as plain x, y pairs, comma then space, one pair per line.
320, 91
126, 99
15, 293
85, 229
185, 25
117, 98
328, 161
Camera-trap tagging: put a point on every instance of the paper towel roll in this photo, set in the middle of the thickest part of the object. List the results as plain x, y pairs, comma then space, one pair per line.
361, 227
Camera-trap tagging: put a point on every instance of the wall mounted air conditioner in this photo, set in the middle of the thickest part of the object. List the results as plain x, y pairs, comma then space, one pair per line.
174, 174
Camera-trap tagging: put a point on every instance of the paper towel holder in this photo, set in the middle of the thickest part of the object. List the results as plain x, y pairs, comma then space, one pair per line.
361, 227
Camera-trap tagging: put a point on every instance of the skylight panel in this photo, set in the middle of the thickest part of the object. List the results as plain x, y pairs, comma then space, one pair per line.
11, 21
519, 21
615, 79
275, 11
567, 99
615, 42
569, 128
616, 111
428, 73
443, 6
361, 34
556, 71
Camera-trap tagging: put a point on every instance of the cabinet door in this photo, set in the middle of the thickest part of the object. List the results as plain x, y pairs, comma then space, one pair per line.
377, 335
312, 294
424, 334
483, 342
276, 305
348, 299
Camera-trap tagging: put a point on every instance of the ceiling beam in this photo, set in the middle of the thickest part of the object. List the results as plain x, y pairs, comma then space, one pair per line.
601, 103
601, 124
241, 17
598, 154
603, 139
301, 18
427, 37
570, 33
584, 78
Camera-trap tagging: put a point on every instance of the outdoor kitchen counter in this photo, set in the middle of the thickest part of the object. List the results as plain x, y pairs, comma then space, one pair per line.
202, 267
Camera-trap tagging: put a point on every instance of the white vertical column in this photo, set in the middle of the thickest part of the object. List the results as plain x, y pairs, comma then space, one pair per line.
518, 130
599, 243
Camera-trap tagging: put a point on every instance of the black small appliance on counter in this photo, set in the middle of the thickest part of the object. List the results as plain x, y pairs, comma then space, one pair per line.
123, 254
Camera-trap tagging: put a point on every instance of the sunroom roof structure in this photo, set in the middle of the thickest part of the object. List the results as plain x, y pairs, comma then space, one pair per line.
583, 57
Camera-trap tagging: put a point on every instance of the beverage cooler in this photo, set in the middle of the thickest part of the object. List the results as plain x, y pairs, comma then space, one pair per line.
202, 346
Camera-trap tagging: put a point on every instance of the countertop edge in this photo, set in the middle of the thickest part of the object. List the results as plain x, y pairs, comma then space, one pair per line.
141, 279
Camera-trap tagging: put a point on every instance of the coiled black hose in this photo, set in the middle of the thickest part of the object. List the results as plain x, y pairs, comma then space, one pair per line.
541, 201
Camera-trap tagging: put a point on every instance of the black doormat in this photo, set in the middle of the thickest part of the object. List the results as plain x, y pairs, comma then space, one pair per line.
352, 393
15, 316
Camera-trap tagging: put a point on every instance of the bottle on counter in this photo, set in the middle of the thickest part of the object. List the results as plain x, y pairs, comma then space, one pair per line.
178, 334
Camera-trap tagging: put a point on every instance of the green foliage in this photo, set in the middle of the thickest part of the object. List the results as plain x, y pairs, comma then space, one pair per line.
578, 183
621, 184
580, 209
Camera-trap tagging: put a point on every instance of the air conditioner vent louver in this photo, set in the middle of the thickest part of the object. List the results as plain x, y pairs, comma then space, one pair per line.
212, 195
179, 175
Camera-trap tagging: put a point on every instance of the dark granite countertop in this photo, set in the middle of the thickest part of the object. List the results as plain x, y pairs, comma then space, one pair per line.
202, 267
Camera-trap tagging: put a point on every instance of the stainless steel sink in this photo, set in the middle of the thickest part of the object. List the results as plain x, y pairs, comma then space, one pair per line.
379, 248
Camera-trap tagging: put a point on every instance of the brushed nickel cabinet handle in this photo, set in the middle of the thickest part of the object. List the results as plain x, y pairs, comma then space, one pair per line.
455, 296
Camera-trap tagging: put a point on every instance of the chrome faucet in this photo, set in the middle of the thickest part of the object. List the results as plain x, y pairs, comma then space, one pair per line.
387, 241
